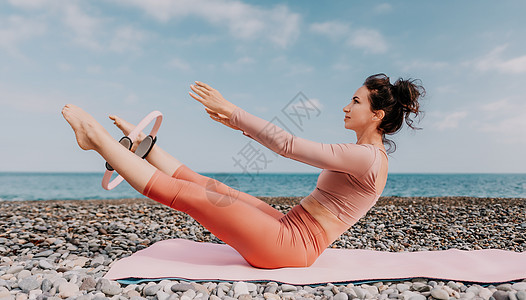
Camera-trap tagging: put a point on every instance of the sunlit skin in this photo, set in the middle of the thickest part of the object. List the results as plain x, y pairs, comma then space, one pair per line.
92, 136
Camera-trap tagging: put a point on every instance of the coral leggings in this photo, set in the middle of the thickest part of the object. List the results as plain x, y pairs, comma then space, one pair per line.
265, 237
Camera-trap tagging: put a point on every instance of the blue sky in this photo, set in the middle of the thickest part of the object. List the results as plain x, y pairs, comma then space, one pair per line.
132, 57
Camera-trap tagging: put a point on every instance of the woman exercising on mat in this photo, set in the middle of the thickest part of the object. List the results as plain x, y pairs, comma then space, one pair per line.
352, 179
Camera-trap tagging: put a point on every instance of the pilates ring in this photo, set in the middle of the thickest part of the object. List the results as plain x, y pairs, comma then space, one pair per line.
142, 150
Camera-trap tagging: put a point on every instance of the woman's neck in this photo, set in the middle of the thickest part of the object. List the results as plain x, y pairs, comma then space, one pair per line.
372, 137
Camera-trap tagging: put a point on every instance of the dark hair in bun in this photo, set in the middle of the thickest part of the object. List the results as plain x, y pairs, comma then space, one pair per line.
398, 101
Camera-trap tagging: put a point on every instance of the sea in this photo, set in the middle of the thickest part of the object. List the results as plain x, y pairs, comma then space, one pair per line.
82, 186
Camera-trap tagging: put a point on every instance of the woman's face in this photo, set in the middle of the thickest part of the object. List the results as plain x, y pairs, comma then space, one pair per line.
358, 114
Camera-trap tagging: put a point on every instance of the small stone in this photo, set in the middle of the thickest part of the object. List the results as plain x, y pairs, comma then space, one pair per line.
252, 287
240, 288
182, 287
341, 296
439, 293
46, 285
29, 283
288, 288
97, 261
23, 274
521, 295
360, 293
402, 287
44, 264
417, 297
43, 254
504, 287
501, 295
34, 294
88, 284
485, 293
519, 286
14, 269
189, 294
453, 285
151, 290
162, 295
271, 296
67, 290
21, 296
271, 288
245, 297
111, 289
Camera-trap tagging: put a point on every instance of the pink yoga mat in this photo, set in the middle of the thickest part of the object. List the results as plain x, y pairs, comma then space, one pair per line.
179, 258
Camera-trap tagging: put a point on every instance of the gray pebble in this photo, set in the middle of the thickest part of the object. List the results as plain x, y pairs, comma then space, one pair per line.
521, 295
519, 286
67, 290
288, 288
162, 295
340, 296
402, 287
23, 274
439, 293
182, 287
500, 295
504, 287
271, 289
43, 254
240, 288
15, 269
44, 264
453, 285
88, 284
29, 283
46, 285
151, 290
417, 297
111, 290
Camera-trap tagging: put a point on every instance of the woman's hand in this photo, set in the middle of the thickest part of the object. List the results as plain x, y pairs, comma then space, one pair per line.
221, 118
212, 100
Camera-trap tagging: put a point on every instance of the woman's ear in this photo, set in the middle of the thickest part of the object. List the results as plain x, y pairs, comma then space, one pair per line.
379, 115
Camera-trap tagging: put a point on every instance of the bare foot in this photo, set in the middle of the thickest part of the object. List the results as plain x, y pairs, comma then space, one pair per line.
127, 127
87, 129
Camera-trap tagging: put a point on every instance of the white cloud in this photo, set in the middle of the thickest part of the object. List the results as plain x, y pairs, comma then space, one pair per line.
126, 39
505, 119
290, 68
22, 100
14, 30
29, 4
84, 26
426, 65
244, 21
333, 29
370, 40
131, 99
65, 67
94, 69
177, 63
383, 8
494, 61
239, 64
449, 120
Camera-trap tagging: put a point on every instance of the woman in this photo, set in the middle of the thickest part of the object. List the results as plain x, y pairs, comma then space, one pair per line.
351, 182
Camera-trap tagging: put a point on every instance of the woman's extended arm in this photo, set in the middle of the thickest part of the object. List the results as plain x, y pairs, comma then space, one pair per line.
349, 158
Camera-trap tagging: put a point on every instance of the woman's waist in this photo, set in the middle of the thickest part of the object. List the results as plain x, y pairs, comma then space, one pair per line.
332, 225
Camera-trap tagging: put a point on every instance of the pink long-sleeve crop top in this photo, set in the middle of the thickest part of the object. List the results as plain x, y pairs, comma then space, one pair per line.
346, 185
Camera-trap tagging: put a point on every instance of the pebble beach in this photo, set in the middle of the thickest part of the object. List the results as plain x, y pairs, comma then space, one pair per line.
62, 249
